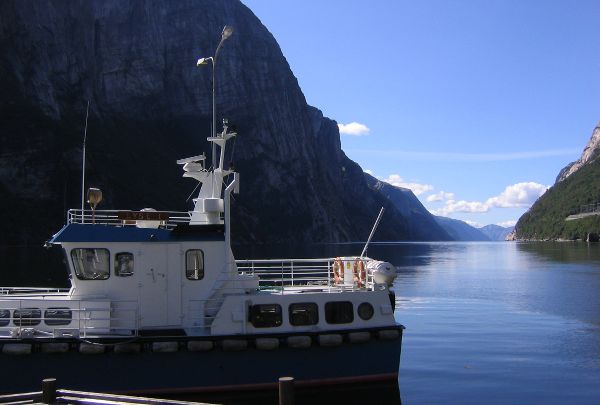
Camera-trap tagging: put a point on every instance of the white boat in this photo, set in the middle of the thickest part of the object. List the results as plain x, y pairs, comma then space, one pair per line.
156, 292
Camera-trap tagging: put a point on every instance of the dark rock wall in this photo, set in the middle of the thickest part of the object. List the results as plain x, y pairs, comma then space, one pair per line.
150, 105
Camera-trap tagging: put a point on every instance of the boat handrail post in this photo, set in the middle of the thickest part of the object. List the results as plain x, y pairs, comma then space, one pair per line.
329, 275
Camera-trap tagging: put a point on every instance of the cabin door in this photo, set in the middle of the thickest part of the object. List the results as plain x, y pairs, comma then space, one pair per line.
174, 285
154, 287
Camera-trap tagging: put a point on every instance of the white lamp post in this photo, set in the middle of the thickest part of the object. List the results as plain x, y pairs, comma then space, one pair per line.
227, 31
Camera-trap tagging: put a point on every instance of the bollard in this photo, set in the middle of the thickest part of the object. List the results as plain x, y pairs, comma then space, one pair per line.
286, 391
49, 390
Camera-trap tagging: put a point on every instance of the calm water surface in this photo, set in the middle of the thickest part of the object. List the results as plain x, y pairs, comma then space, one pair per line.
493, 323
506, 323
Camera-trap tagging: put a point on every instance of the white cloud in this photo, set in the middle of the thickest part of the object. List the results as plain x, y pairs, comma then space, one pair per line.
474, 224
369, 172
518, 195
515, 196
417, 188
354, 128
507, 224
441, 196
461, 206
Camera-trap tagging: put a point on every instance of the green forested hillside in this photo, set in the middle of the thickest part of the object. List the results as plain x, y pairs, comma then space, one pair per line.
546, 218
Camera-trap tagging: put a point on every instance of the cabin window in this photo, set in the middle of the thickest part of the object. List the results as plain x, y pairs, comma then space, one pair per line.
265, 315
302, 314
339, 312
27, 316
194, 264
57, 316
91, 264
123, 264
365, 311
4, 317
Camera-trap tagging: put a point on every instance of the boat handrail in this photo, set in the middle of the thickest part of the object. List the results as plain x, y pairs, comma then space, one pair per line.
283, 273
168, 219
32, 290
88, 318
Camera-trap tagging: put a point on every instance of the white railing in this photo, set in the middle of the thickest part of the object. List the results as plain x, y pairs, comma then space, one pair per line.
116, 217
306, 273
86, 319
32, 290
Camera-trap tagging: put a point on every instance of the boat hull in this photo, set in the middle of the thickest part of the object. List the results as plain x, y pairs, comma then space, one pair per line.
189, 372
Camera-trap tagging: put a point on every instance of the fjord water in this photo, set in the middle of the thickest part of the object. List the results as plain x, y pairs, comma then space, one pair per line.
506, 323
489, 322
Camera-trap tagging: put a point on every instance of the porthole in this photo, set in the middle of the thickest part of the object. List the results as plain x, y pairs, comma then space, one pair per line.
337, 312
302, 314
123, 264
91, 263
27, 317
365, 311
57, 316
265, 315
194, 264
4, 317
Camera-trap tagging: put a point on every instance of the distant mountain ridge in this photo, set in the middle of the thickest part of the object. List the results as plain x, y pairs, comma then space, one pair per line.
460, 230
496, 232
577, 185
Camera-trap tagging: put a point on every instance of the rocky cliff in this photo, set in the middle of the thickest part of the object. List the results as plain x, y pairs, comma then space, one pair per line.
150, 105
590, 153
577, 186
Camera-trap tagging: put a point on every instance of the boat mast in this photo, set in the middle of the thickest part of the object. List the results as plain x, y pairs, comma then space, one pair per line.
211, 201
87, 111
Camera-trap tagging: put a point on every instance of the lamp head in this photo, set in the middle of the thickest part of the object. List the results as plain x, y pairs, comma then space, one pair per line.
227, 31
204, 61
94, 197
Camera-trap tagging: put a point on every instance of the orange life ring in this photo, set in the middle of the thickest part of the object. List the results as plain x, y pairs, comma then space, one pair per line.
360, 274
338, 269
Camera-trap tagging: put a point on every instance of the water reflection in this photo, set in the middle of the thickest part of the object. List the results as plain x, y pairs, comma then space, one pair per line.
565, 252
476, 351
501, 323
486, 322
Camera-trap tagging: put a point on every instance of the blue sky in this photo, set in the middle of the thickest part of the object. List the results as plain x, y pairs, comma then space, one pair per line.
474, 104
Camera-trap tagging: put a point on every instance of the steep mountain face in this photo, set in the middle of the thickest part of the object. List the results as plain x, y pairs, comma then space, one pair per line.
460, 230
590, 153
422, 225
577, 185
496, 232
135, 61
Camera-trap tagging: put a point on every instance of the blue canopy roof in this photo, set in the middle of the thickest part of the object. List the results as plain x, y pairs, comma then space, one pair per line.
110, 233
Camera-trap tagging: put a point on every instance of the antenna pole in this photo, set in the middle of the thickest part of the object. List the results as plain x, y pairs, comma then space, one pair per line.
372, 232
87, 111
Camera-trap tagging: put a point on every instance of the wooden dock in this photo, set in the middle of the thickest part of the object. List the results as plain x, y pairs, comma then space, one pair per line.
51, 395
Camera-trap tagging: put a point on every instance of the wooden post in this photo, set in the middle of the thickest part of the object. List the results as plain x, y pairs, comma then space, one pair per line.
286, 391
49, 390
